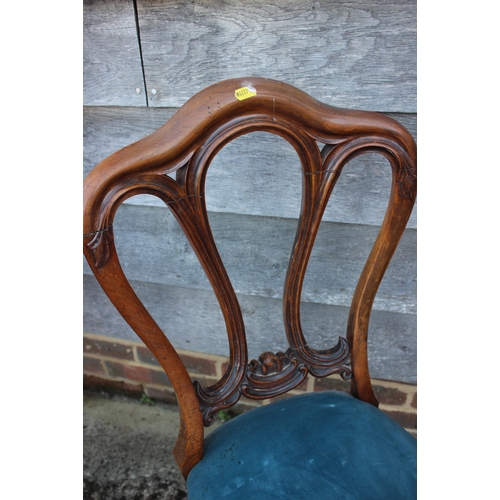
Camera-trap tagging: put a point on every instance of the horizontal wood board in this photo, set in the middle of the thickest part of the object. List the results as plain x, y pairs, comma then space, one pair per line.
255, 251
191, 320
257, 174
112, 69
358, 54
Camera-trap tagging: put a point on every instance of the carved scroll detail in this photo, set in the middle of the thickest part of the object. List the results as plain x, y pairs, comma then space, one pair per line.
211, 404
101, 245
406, 181
328, 362
273, 374
270, 363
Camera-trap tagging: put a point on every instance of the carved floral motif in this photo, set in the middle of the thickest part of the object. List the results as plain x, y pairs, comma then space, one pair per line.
273, 374
270, 363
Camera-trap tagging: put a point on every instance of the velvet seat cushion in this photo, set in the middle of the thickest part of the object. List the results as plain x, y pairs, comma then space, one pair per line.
318, 446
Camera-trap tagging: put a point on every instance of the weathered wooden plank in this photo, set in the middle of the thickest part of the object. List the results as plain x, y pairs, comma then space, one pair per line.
257, 174
108, 129
255, 251
350, 54
192, 320
112, 67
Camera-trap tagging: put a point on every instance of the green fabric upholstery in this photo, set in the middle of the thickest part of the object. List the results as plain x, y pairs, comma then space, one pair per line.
318, 446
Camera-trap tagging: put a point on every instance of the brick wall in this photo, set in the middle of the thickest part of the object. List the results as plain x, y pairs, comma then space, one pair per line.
129, 367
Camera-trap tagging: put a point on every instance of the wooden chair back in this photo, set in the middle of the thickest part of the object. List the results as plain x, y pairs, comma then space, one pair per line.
186, 145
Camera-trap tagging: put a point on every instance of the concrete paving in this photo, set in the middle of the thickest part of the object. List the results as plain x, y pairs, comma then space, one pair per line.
127, 449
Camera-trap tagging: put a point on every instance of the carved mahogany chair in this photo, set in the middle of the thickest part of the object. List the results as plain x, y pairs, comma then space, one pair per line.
327, 445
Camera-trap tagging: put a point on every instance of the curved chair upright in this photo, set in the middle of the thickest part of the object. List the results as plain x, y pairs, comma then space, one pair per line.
326, 445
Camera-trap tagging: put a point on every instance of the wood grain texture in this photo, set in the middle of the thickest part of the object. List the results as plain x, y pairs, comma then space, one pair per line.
255, 250
112, 68
349, 54
261, 170
192, 320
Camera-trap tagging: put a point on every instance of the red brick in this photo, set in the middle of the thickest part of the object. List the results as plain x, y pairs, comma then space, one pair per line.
414, 401
159, 377
331, 384
404, 419
224, 367
385, 395
199, 364
114, 386
193, 363
122, 370
92, 365
146, 356
165, 395
205, 381
389, 395
109, 349
138, 373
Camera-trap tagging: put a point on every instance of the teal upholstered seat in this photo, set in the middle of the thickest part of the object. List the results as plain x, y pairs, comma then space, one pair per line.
319, 446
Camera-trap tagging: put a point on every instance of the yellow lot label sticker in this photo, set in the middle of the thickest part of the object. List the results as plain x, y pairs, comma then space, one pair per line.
245, 93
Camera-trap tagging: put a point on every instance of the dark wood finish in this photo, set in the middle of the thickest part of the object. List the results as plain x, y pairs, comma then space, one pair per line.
186, 145
358, 198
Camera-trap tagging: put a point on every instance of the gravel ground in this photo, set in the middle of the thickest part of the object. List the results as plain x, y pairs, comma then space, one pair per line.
127, 449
